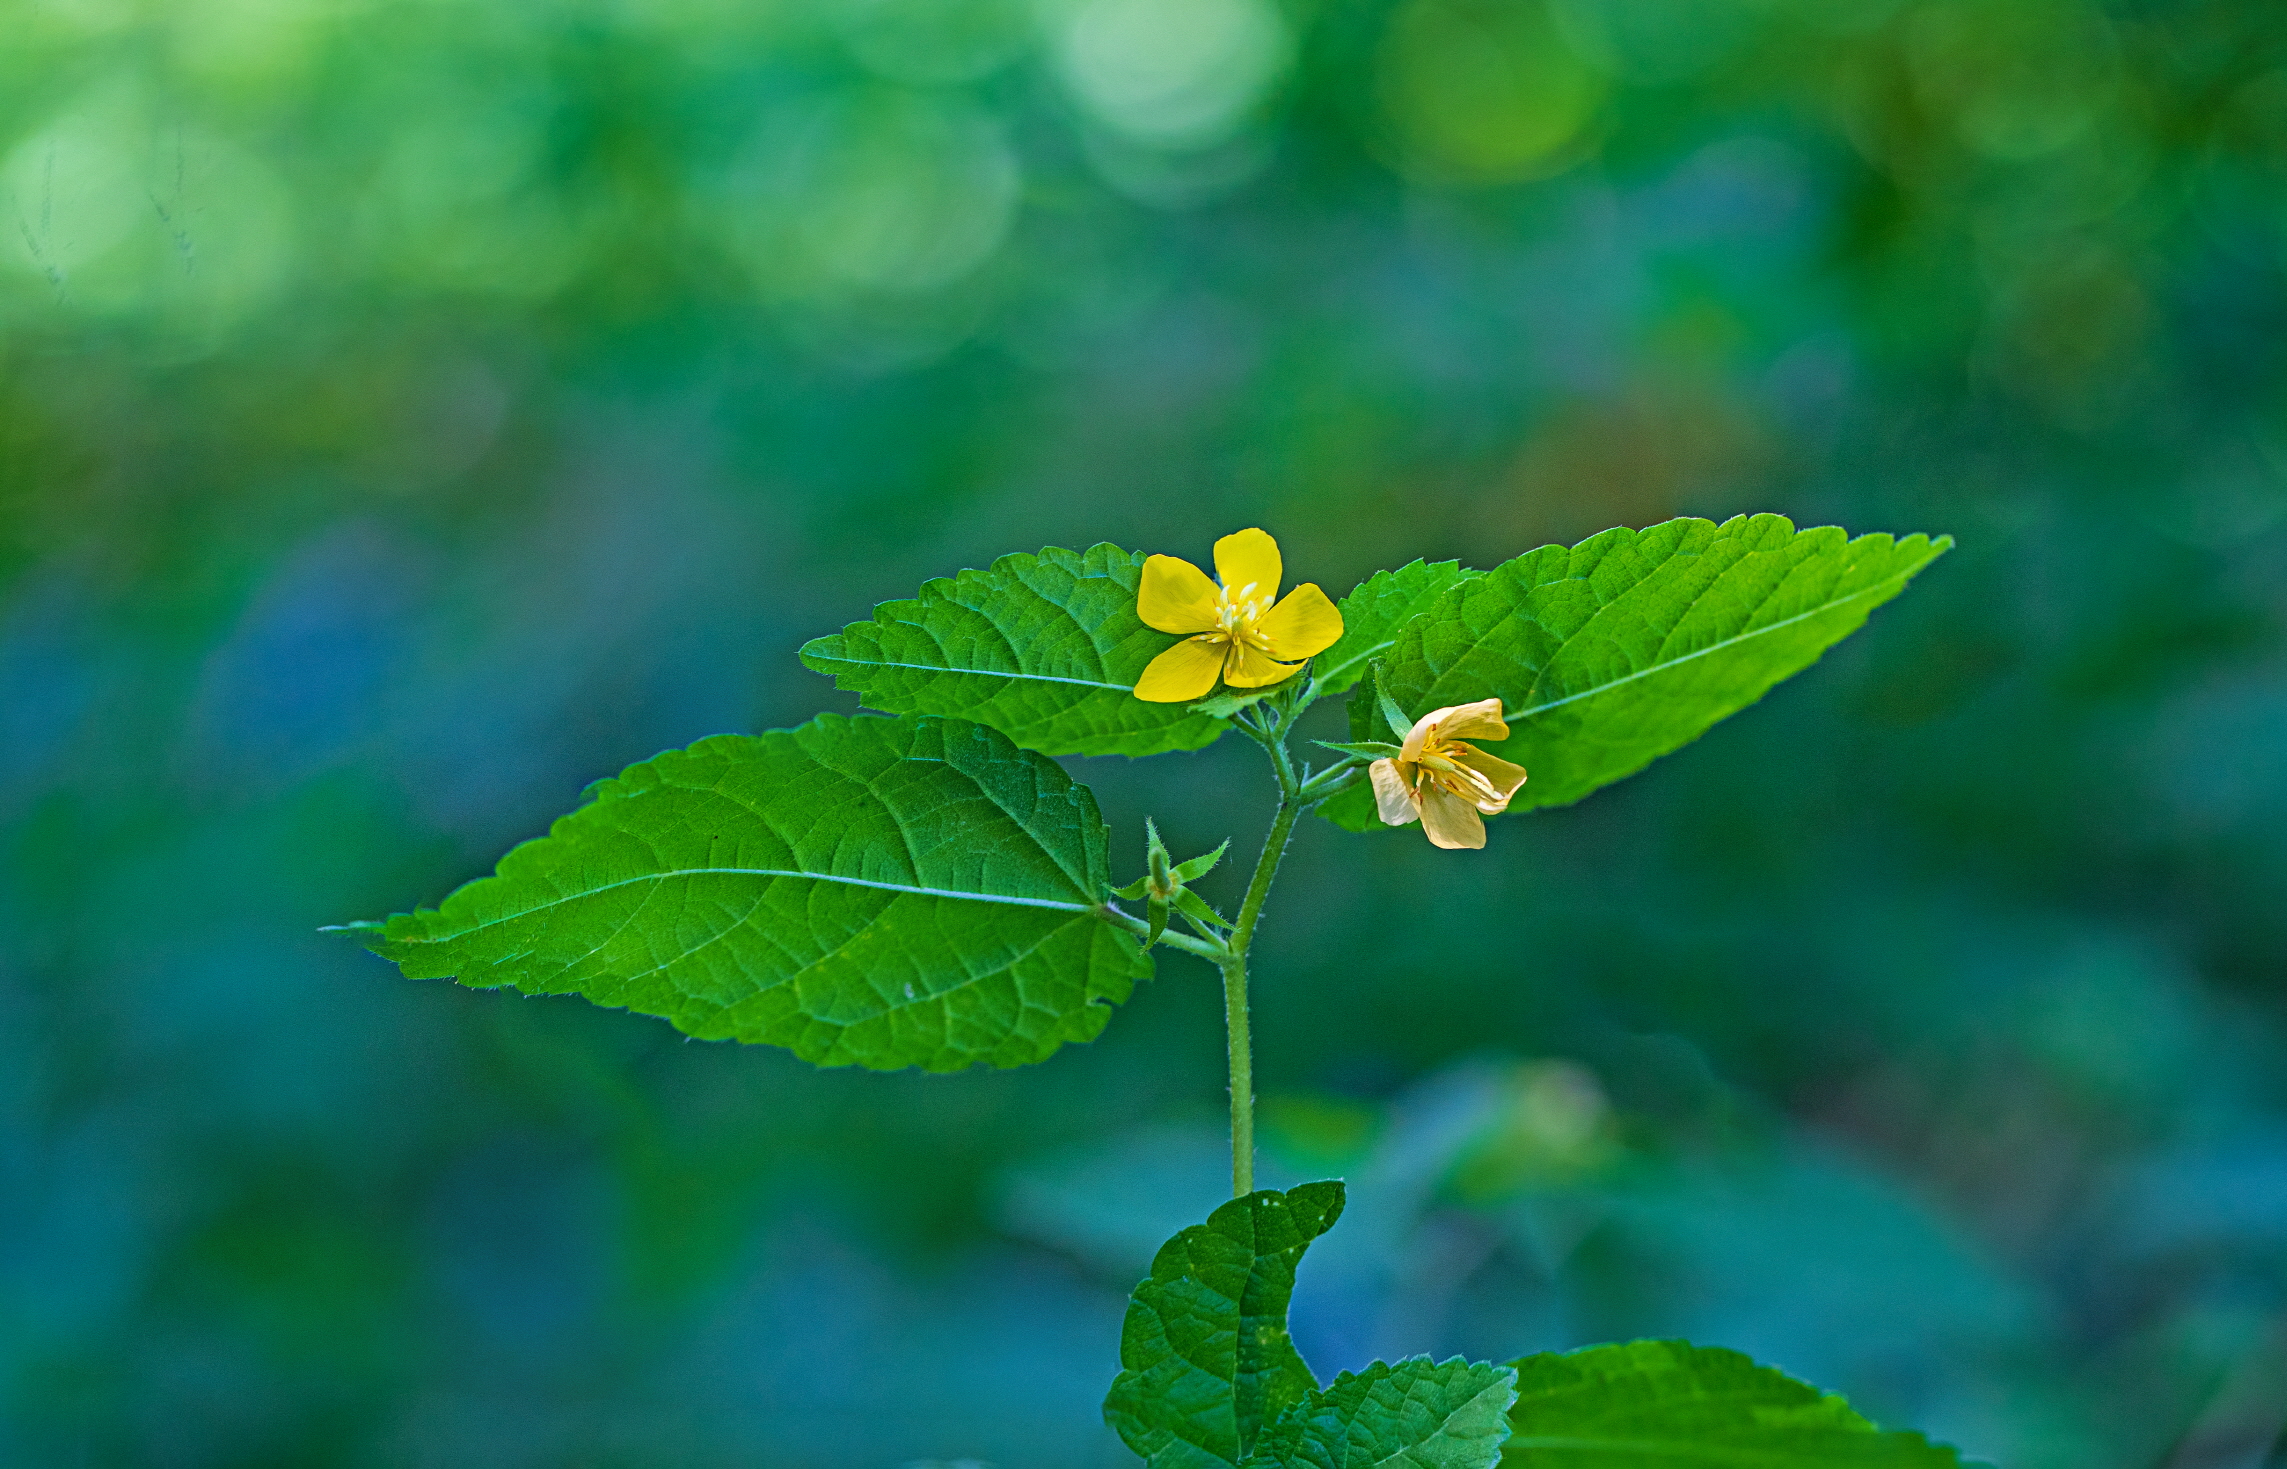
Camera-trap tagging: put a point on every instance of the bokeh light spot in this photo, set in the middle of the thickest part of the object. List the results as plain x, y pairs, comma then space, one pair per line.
1483, 91
1176, 73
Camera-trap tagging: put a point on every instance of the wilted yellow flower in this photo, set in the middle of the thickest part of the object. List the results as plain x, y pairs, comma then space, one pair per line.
1443, 783
1240, 631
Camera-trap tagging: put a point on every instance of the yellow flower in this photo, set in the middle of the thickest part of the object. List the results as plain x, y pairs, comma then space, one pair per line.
1236, 632
1444, 783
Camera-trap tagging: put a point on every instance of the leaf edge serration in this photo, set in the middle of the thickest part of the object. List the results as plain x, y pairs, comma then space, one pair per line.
418, 941
1144, 728
1253, 1397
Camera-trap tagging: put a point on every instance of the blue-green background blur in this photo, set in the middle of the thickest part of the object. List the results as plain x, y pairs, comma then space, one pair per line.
411, 411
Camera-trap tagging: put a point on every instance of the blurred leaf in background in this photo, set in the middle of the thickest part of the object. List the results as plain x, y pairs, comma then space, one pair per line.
411, 412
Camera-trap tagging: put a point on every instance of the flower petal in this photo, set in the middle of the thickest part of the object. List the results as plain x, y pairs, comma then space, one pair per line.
1251, 668
1451, 822
1478, 721
1175, 596
1184, 672
1249, 556
1392, 801
1504, 776
1303, 624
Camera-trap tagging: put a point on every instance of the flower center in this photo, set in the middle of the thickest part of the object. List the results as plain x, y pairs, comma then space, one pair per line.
1440, 767
1237, 609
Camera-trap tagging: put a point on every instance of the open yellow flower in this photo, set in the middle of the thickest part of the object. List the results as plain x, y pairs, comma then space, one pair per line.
1239, 632
1443, 783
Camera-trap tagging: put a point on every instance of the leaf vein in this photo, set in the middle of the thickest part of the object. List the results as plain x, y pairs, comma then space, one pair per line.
1819, 611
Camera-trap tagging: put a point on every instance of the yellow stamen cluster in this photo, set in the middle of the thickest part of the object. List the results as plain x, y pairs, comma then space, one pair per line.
1240, 632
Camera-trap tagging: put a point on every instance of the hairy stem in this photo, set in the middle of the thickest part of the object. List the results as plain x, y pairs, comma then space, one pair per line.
1234, 966
1212, 953
1242, 1076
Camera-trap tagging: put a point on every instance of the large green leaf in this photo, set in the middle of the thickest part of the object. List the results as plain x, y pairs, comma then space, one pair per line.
1416, 1414
1352, 808
1671, 1405
884, 892
1046, 649
1613, 652
1375, 612
1205, 1357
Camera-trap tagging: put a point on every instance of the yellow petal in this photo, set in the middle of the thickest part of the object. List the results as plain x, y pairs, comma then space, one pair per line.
1303, 624
1250, 668
1183, 673
1478, 721
1175, 596
1504, 776
1249, 556
1451, 822
1392, 802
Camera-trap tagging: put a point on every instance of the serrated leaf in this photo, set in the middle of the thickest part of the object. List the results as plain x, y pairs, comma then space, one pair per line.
878, 892
1376, 610
1415, 1413
1671, 1405
1205, 1356
1045, 648
1352, 808
1609, 654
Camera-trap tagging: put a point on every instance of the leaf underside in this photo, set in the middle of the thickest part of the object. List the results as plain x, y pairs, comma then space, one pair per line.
1205, 1356
1416, 1414
1046, 648
878, 892
1374, 613
1611, 653
1671, 1405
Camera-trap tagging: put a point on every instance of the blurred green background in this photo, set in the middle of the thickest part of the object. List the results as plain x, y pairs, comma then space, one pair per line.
413, 410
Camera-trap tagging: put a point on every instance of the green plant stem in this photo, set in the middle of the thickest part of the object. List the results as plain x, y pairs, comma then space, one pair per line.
1212, 953
1333, 780
1242, 1076
1234, 966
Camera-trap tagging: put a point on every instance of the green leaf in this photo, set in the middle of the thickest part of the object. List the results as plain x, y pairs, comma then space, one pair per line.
1374, 613
1205, 1355
1416, 1414
1046, 649
1352, 808
1372, 749
1671, 1405
1611, 653
1225, 702
1192, 869
1202, 916
1394, 719
878, 892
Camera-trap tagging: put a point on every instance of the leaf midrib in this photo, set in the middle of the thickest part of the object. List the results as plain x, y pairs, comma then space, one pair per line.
1086, 683
1819, 611
861, 882
1335, 671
